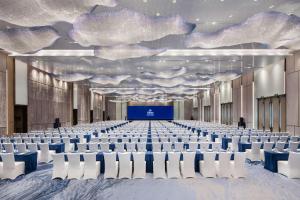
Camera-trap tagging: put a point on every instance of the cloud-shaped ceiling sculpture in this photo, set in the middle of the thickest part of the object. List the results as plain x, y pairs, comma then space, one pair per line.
27, 40
272, 28
172, 82
74, 77
167, 73
46, 12
227, 76
105, 80
125, 27
119, 52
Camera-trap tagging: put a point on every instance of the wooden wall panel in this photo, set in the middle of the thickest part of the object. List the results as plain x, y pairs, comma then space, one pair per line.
236, 100
47, 99
3, 119
97, 108
188, 109
84, 103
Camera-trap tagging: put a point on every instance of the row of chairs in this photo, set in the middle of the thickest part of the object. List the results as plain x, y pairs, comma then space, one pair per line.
126, 168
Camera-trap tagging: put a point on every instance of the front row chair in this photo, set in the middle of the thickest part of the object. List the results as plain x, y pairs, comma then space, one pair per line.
46, 154
237, 166
207, 165
187, 164
75, 167
173, 165
223, 165
290, 168
159, 164
91, 166
60, 167
10, 168
125, 165
111, 165
139, 168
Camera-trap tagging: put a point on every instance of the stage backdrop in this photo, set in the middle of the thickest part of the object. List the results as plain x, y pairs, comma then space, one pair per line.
150, 112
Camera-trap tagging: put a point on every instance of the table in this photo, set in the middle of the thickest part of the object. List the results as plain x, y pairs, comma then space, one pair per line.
271, 158
149, 160
58, 147
225, 142
29, 158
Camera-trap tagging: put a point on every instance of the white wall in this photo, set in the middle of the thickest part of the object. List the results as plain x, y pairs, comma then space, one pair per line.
21, 82
178, 110
225, 92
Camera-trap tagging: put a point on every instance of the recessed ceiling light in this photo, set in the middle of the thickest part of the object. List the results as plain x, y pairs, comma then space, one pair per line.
173, 1
187, 61
157, 14
197, 19
230, 16
221, 0
213, 23
145, 1
271, 6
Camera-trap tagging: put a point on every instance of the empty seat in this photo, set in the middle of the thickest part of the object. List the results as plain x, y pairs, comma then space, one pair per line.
130, 147
178, 146
253, 154
91, 166
104, 147
274, 139
56, 140
293, 146
223, 165
216, 146
68, 145
279, 146
75, 167
268, 146
139, 168
10, 168
173, 170
207, 165
93, 147
167, 146
238, 165
159, 164
119, 147
193, 146
235, 143
290, 168
21, 147
60, 167
141, 146
204, 146
125, 165
46, 154
81, 147
187, 164
111, 165
156, 146
9, 147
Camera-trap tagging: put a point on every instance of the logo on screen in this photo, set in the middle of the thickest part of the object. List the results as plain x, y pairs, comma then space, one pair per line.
150, 113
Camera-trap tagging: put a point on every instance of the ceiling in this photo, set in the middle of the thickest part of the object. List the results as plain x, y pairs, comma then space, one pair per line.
131, 43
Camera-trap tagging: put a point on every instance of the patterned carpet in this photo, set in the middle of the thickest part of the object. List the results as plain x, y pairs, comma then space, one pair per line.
260, 184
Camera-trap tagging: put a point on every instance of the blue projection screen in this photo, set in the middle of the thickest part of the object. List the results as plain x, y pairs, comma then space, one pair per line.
150, 112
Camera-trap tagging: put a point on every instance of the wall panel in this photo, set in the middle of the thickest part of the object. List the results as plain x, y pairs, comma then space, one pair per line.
48, 99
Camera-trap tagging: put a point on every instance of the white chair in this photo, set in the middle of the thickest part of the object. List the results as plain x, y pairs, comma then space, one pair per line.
75, 167
234, 145
68, 145
159, 164
139, 164
56, 140
141, 146
290, 168
294, 138
268, 146
81, 147
253, 154
204, 146
130, 147
119, 147
193, 146
81, 138
95, 140
264, 139
187, 164
167, 146
216, 146
223, 165
60, 167
293, 146
173, 170
93, 147
237, 166
178, 146
207, 165
9, 147
111, 165
244, 139
91, 166
46, 154
156, 147
125, 165
283, 139
279, 146
104, 146
10, 168
21, 147
274, 139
